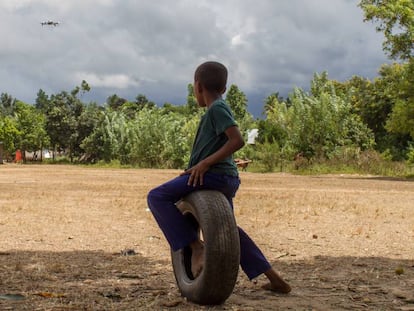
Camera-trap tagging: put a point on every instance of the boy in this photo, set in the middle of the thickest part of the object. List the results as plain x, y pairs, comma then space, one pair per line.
211, 167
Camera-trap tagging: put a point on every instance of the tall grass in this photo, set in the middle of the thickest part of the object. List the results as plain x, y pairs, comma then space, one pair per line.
367, 162
271, 159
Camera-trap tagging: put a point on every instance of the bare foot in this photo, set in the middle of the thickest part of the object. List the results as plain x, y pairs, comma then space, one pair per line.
277, 284
281, 289
197, 257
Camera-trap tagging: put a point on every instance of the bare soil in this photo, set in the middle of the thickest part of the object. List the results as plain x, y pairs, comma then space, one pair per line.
342, 242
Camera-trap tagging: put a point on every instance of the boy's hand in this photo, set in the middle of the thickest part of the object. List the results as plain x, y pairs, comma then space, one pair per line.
196, 173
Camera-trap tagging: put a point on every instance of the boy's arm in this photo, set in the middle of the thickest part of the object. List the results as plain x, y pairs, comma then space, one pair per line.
235, 142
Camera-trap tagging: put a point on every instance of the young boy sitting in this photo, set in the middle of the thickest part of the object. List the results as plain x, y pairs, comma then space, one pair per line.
211, 167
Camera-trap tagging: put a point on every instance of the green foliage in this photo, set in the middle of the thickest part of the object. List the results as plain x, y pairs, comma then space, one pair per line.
275, 127
111, 164
386, 155
269, 155
321, 124
350, 160
7, 104
170, 108
371, 162
109, 139
160, 140
42, 101
188, 133
271, 101
31, 124
192, 105
68, 120
385, 105
370, 102
336, 125
401, 120
142, 102
248, 152
21, 126
329, 128
388, 105
410, 155
272, 156
130, 108
147, 138
314, 125
115, 102
9, 134
153, 138
396, 21
61, 114
237, 101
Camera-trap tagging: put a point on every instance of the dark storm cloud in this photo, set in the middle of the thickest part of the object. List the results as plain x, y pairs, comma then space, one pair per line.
152, 47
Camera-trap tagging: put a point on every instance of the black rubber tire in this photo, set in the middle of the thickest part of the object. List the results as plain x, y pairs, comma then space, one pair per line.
211, 212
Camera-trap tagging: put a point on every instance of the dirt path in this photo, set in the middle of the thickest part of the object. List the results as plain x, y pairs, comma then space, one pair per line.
343, 242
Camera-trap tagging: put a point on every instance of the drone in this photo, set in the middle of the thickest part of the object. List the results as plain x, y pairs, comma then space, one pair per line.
49, 23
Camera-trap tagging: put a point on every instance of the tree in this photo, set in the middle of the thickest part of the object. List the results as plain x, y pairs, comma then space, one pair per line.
320, 84
42, 101
168, 108
142, 102
316, 124
115, 102
7, 104
192, 105
21, 126
148, 137
9, 134
63, 119
106, 140
30, 123
237, 102
374, 102
85, 86
396, 21
88, 120
60, 120
154, 138
271, 101
401, 120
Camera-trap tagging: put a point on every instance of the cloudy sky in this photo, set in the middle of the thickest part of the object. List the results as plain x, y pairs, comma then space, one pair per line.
151, 47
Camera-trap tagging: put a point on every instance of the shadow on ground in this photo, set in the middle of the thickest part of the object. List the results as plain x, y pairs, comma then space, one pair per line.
95, 280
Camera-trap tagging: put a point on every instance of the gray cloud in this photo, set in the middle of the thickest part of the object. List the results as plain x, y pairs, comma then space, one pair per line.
152, 47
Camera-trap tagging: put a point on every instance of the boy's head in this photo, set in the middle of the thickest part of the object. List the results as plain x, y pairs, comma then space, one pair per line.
212, 76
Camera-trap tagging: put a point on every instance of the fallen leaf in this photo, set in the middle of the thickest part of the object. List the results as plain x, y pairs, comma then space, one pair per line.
50, 295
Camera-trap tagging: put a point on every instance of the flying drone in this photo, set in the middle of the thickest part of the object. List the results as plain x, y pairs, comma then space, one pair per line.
49, 23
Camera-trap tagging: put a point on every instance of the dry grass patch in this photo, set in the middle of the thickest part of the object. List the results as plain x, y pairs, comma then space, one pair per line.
343, 242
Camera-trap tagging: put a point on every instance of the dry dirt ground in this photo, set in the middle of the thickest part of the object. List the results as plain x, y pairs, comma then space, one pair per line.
342, 242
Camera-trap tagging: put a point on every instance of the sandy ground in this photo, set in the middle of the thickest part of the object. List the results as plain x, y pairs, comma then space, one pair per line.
342, 242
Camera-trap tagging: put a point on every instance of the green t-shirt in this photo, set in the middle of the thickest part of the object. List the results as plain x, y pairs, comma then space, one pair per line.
211, 137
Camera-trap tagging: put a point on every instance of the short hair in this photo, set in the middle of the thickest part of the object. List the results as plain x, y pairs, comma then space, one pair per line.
212, 76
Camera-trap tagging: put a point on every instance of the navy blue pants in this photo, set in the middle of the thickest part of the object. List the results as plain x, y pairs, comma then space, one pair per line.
180, 233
